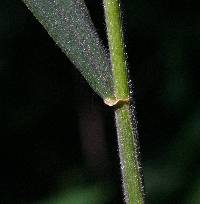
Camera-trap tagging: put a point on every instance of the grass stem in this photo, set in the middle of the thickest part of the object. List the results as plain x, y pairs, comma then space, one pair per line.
126, 127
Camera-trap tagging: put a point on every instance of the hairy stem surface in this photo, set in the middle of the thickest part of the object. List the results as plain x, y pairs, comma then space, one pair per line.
126, 126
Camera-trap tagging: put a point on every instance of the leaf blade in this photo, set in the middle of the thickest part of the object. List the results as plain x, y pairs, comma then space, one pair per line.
69, 24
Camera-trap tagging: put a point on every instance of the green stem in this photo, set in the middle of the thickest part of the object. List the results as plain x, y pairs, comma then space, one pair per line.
117, 54
126, 130
132, 184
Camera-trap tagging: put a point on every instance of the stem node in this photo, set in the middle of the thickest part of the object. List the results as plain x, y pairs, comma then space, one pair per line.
115, 102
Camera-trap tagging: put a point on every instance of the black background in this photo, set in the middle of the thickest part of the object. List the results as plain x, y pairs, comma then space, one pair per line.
58, 142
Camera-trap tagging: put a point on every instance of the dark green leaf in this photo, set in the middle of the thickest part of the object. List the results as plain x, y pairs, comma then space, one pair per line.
69, 24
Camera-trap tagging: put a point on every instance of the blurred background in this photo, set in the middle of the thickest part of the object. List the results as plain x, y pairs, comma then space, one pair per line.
58, 142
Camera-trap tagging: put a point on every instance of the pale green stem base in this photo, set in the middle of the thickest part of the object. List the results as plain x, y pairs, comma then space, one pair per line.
132, 183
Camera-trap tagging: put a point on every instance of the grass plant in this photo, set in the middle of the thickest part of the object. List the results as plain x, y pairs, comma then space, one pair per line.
69, 24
